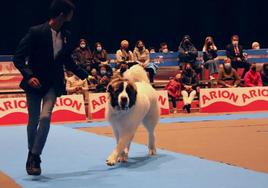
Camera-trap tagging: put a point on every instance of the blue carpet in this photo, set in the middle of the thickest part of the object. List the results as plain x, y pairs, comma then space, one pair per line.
76, 159
220, 117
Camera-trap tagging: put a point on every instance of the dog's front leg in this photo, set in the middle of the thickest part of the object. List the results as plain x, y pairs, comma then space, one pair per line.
121, 145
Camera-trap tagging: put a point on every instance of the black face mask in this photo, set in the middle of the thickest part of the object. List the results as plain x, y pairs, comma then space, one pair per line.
140, 48
254, 69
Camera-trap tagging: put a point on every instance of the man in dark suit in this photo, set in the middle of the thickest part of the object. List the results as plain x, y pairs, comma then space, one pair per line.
234, 51
40, 57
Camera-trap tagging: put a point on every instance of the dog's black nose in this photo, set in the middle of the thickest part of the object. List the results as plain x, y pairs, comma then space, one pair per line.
123, 100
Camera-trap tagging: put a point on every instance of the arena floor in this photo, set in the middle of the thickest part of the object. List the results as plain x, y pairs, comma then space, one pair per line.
194, 151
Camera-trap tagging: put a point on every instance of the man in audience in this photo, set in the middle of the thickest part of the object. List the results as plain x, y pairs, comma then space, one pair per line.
228, 76
255, 46
163, 48
253, 77
235, 52
75, 85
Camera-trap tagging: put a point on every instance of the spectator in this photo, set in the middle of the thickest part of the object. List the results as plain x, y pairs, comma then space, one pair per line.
124, 55
100, 56
94, 78
255, 46
188, 54
209, 56
82, 55
253, 77
151, 50
264, 74
235, 52
163, 48
141, 56
104, 79
75, 85
228, 76
189, 85
174, 90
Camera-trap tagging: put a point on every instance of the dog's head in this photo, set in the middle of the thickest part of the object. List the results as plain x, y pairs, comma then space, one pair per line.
122, 93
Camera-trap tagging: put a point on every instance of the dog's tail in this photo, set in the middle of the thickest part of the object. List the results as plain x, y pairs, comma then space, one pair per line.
136, 74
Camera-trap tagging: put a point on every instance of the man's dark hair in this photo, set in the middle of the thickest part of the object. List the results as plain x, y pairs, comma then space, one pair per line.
60, 6
163, 44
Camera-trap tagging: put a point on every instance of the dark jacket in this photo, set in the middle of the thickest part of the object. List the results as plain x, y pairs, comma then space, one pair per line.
187, 52
264, 75
189, 79
34, 58
210, 54
230, 52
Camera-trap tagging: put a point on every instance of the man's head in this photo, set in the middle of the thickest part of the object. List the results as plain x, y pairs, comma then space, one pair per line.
235, 40
124, 44
164, 47
62, 10
254, 67
83, 43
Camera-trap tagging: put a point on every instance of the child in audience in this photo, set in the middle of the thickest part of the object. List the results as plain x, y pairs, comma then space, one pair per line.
174, 90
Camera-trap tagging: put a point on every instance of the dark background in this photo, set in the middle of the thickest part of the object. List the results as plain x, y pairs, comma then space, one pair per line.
110, 21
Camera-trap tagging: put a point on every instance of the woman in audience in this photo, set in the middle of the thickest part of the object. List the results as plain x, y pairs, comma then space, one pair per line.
255, 46
174, 90
124, 55
253, 77
189, 86
209, 56
141, 56
100, 56
264, 74
82, 55
228, 76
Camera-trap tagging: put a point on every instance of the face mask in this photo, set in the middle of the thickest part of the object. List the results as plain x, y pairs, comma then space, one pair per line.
99, 49
165, 51
254, 69
187, 42
235, 43
209, 43
140, 48
82, 45
227, 65
103, 72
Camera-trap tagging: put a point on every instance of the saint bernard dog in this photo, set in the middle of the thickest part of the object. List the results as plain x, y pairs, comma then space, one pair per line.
132, 101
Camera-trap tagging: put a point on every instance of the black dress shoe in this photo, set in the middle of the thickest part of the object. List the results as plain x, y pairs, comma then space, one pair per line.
33, 165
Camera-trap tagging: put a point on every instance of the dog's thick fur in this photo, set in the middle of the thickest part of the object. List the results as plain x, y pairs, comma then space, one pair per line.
132, 101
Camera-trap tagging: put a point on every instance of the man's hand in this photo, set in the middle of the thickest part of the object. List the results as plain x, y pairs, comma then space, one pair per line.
34, 82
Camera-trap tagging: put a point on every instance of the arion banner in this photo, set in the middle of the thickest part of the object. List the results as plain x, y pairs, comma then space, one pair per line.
98, 104
234, 99
69, 108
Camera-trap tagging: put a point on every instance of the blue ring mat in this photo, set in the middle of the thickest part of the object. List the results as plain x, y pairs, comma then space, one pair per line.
73, 158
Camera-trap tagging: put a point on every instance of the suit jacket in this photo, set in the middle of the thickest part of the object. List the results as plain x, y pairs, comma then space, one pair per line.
230, 52
34, 57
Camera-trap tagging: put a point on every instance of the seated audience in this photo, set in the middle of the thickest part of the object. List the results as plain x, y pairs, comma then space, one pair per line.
100, 56
151, 50
104, 79
253, 77
264, 74
255, 46
124, 55
94, 78
163, 48
228, 76
209, 56
235, 52
189, 85
82, 55
188, 54
174, 90
141, 56
75, 85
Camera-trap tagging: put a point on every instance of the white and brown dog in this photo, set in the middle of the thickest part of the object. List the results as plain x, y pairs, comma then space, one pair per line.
132, 101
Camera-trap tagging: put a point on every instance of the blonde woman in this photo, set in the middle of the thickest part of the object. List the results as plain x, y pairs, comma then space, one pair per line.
209, 56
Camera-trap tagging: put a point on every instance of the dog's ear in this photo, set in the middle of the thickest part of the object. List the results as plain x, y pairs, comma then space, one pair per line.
110, 89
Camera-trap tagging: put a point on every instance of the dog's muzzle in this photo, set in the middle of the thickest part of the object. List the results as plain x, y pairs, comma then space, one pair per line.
124, 103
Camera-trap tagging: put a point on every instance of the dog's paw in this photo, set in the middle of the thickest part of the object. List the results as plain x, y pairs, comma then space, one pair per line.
122, 158
152, 152
112, 160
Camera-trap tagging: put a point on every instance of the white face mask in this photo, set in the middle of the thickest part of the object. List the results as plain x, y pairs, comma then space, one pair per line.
82, 45
227, 65
165, 50
235, 43
99, 49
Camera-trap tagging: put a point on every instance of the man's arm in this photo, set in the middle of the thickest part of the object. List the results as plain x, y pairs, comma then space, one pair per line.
21, 54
